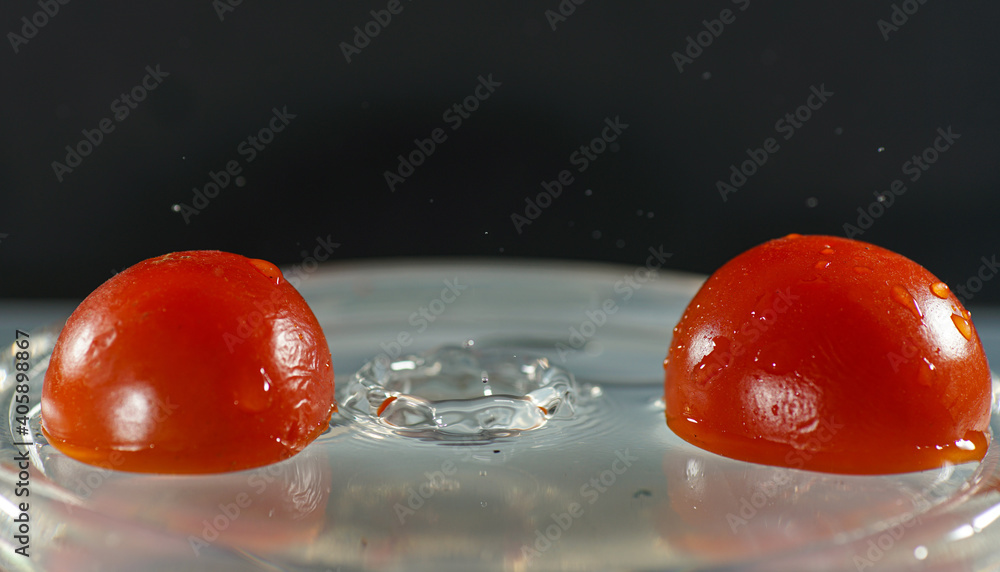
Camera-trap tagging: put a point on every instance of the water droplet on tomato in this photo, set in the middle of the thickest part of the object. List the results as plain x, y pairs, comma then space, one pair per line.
965, 445
827, 251
862, 270
292, 435
267, 269
925, 373
255, 395
821, 264
940, 289
713, 363
963, 325
103, 340
775, 358
900, 295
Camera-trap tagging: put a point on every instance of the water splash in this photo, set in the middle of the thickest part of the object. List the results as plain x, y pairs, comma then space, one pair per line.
463, 392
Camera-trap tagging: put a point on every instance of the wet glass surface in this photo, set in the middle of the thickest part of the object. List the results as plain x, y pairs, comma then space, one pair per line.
605, 485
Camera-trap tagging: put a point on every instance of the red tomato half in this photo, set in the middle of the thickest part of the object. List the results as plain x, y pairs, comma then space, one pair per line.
192, 362
829, 354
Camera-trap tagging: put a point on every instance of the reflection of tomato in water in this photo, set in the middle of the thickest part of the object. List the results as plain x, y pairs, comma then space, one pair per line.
277, 511
279, 508
829, 354
192, 362
720, 513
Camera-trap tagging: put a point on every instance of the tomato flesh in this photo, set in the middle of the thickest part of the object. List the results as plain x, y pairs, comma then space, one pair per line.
829, 354
192, 362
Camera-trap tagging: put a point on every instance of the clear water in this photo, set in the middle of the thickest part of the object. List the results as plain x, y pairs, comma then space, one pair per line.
461, 393
467, 474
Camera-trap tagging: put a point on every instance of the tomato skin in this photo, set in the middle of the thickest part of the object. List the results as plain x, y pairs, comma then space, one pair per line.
829, 354
191, 362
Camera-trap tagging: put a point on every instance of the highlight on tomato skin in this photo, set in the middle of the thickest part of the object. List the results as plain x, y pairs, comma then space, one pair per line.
191, 362
829, 354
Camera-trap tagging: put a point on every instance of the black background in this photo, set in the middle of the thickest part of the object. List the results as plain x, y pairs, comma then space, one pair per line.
323, 176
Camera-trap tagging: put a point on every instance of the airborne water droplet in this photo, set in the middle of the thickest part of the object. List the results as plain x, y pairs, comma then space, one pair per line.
964, 326
900, 295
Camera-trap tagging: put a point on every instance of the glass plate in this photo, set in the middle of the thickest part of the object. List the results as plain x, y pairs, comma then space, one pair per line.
609, 489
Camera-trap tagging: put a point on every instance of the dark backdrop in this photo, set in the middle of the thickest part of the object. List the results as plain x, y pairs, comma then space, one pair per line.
216, 74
